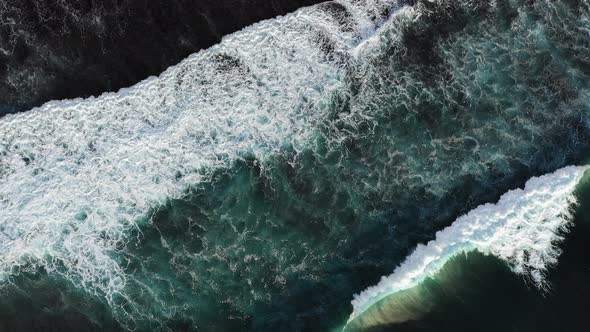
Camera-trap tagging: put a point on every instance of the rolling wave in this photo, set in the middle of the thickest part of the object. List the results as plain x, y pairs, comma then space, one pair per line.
522, 228
76, 176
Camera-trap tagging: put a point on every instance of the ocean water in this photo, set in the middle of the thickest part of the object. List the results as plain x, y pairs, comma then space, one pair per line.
270, 182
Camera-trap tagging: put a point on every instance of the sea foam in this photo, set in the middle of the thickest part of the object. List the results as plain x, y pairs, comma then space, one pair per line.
76, 176
522, 229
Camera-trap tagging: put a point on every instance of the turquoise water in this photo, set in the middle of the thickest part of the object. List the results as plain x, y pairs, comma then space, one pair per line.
261, 187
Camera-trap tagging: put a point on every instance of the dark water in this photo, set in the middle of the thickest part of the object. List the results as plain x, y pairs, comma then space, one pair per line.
78, 48
38, 302
282, 201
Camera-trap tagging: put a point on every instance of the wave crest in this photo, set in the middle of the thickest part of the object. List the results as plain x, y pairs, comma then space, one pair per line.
522, 228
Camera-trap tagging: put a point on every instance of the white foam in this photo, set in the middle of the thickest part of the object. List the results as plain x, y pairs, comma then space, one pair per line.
521, 229
76, 175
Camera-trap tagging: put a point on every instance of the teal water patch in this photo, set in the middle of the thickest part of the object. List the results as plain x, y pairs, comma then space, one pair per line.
235, 245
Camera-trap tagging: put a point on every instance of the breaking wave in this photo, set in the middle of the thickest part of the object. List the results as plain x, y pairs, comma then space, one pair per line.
522, 229
77, 176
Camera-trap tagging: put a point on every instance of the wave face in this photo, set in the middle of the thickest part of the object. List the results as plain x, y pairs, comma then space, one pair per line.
522, 228
475, 291
258, 184
67, 49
